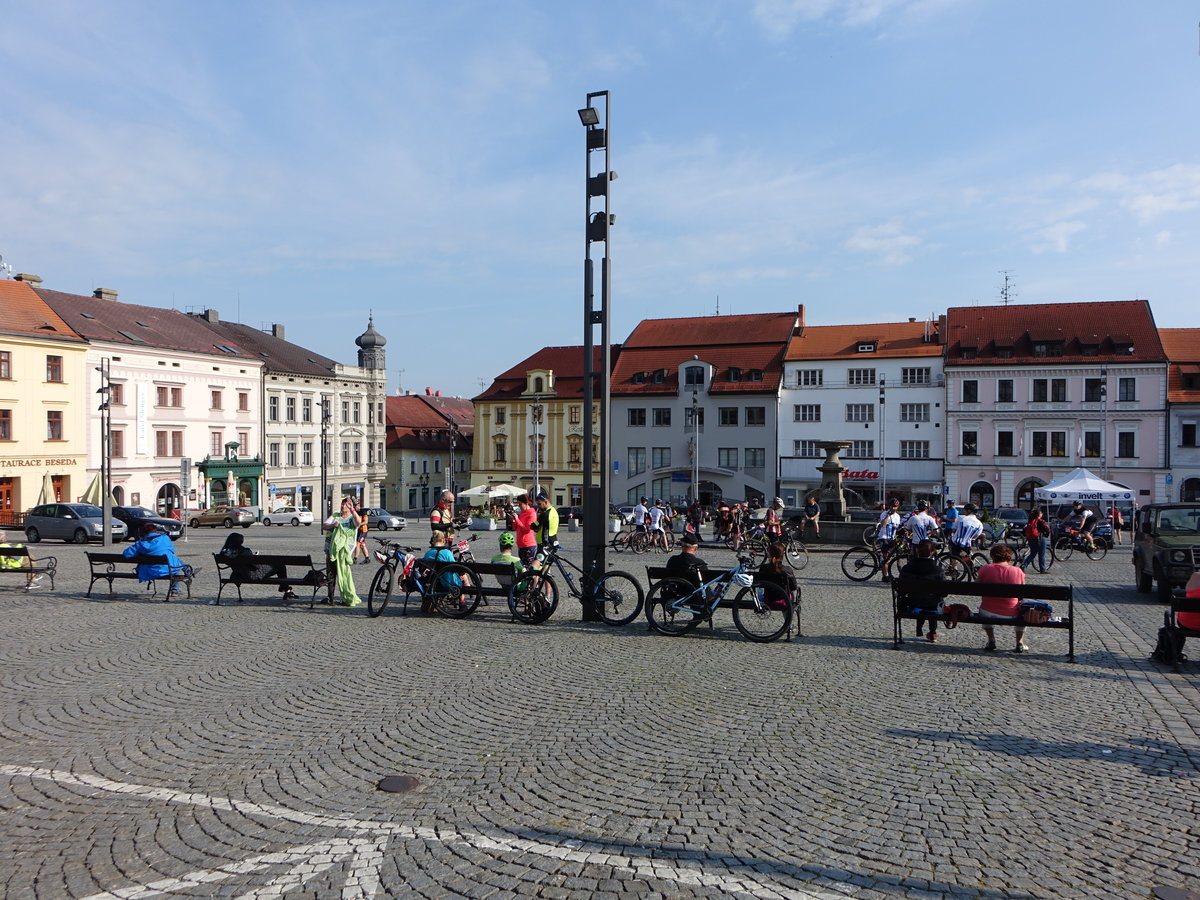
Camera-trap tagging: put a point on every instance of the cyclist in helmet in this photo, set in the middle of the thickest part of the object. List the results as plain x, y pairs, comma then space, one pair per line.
508, 542
920, 525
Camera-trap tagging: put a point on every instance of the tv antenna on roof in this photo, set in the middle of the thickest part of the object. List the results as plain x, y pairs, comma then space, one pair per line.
1007, 290
5, 268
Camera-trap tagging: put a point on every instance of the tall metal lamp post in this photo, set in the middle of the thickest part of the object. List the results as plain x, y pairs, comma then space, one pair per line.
695, 445
882, 444
105, 392
536, 411
597, 220
423, 480
326, 506
1104, 421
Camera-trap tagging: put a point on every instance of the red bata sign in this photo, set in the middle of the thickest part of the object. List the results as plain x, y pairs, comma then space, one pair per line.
863, 475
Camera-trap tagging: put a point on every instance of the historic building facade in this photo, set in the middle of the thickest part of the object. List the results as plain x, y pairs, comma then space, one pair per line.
529, 426
1182, 346
881, 387
44, 420
430, 439
309, 400
1033, 391
178, 394
695, 408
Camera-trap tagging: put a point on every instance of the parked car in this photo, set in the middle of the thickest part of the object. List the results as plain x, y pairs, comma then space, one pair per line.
1014, 517
568, 512
293, 515
137, 517
77, 522
1166, 547
382, 519
626, 514
228, 516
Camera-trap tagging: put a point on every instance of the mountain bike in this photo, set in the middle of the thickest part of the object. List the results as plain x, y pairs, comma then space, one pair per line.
448, 588
1073, 540
762, 612
637, 541
862, 563
617, 597
958, 566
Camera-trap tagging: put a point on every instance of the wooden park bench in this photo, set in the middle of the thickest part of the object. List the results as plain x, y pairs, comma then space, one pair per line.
269, 570
112, 567
1172, 636
27, 565
907, 594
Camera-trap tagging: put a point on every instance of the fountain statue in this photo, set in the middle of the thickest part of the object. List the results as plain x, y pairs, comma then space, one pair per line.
833, 499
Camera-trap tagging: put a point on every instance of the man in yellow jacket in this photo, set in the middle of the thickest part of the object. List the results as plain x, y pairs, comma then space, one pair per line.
547, 522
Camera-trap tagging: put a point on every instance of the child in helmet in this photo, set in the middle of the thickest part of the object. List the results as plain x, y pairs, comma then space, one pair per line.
507, 542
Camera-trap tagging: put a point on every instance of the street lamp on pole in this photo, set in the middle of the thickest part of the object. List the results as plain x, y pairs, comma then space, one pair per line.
105, 392
326, 508
423, 480
536, 411
882, 443
695, 445
597, 223
1104, 422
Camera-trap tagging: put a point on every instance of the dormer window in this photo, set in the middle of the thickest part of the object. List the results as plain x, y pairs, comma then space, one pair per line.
735, 373
1089, 350
694, 375
970, 352
867, 346
755, 375
1044, 349
660, 375
639, 377
1004, 352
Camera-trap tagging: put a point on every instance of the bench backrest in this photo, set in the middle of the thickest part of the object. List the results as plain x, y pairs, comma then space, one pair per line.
1185, 604
274, 560
494, 569
922, 587
104, 559
658, 573
16, 552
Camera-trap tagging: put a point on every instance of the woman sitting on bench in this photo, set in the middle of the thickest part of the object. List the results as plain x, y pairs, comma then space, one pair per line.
155, 543
1002, 571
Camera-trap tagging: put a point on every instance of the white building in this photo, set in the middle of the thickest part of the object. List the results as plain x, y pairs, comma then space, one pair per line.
299, 386
1182, 346
179, 393
879, 386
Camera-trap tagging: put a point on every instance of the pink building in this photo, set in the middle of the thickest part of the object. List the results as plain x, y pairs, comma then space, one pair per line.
1034, 391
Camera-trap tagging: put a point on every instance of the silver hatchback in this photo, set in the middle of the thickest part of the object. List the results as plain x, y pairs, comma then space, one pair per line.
77, 522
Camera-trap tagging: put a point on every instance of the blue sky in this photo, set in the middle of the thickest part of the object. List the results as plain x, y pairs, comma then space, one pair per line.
307, 162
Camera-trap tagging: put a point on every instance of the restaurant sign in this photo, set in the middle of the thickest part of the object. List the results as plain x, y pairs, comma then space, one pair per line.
35, 461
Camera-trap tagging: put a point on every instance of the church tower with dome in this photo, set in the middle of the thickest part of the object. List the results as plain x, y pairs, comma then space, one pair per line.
371, 354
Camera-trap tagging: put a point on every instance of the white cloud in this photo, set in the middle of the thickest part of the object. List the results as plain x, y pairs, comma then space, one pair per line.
1149, 195
780, 17
1162, 238
1057, 237
889, 242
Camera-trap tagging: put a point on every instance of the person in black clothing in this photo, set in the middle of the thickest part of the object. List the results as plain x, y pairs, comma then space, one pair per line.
923, 566
243, 569
686, 564
774, 571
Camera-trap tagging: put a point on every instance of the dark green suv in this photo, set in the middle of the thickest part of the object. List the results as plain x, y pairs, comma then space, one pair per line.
1166, 547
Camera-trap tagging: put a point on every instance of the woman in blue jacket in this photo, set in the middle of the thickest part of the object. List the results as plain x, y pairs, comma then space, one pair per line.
155, 543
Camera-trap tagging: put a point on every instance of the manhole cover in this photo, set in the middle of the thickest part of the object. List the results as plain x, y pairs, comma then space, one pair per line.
398, 784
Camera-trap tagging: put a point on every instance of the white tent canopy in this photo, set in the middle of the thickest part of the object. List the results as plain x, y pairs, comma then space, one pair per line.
490, 492
1080, 484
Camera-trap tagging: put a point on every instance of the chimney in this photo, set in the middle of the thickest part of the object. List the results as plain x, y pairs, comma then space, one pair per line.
800, 321
33, 281
912, 318
277, 331
211, 316
105, 294
428, 392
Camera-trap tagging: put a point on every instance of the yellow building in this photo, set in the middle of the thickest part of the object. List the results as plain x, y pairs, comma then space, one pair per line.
537, 403
44, 412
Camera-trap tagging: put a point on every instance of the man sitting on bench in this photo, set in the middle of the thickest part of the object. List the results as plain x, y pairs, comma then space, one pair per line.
155, 543
32, 581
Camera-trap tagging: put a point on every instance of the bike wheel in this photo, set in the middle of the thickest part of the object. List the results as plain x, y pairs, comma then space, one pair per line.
1097, 552
978, 560
639, 542
1062, 548
762, 613
869, 534
455, 595
619, 543
797, 553
533, 600
860, 563
665, 613
756, 549
953, 567
618, 598
381, 590
893, 566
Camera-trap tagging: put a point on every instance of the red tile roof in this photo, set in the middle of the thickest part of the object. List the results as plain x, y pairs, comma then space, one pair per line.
892, 339
746, 342
420, 422
565, 362
1101, 328
1183, 351
149, 326
23, 312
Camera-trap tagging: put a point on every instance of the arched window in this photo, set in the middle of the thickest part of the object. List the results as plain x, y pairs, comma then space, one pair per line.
1189, 491
1024, 496
983, 495
538, 385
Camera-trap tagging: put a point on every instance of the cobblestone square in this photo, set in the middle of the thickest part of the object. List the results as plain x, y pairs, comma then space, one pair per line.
178, 749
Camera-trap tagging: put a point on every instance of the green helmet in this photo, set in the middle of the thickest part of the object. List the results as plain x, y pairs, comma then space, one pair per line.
507, 539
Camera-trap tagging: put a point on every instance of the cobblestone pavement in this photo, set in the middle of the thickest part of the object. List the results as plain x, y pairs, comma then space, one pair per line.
177, 749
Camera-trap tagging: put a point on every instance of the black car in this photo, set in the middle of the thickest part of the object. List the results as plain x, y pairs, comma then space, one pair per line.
136, 517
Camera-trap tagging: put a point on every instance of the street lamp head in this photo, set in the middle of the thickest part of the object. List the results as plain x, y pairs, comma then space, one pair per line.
589, 116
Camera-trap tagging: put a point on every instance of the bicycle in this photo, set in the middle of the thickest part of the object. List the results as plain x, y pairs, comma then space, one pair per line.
1073, 540
862, 563
956, 565
762, 612
637, 541
617, 597
446, 587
